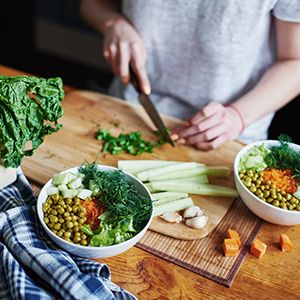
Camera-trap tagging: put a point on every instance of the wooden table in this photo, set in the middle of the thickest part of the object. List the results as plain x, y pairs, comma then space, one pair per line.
275, 276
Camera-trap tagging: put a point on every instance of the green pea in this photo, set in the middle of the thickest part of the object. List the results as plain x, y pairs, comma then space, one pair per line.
77, 234
270, 200
83, 236
258, 182
273, 186
279, 197
74, 218
81, 215
74, 208
82, 209
76, 239
60, 233
247, 184
69, 218
298, 207
67, 234
288, 196
60, 210
283, 205
70, 224
250, 173
54, 212
53, 219
81, 221
264, 199
68, 201
76, 228
283, 193
46, 220
241, 176
276, 203
50, 225
266, 194
267, 187
68, 209
83, 242
76, 201
252, 189
49, 201
268, 182
61, 220
57, 226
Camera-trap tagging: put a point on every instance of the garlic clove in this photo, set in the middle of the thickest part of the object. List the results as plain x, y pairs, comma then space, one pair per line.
171, 217
192, 211
197, 222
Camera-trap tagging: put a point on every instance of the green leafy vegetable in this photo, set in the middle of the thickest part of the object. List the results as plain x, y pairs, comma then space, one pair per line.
30, 108
283, 156
254, 159
112, 230
118, 196
132, 143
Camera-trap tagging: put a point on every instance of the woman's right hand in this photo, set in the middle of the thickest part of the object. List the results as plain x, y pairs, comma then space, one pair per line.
123, 46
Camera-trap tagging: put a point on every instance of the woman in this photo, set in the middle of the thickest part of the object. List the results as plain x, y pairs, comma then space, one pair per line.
224, 66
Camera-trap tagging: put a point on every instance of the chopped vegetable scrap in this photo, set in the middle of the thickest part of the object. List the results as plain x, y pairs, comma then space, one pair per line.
230, 247
285, 243
232, 234
132, 143
30, 109
258, 248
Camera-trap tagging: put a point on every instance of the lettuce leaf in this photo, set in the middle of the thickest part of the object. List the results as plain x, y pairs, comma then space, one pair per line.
30, 109
254, 159
112, 230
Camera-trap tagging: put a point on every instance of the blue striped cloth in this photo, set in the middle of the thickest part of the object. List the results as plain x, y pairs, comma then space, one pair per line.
32, 267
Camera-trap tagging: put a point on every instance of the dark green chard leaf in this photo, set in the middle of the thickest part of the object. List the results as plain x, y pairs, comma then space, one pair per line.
30, 108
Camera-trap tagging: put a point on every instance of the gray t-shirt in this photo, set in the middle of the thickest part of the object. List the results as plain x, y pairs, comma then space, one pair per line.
206, 50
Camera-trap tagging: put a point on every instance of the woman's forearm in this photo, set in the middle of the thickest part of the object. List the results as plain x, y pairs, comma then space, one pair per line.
100, 14
279, 85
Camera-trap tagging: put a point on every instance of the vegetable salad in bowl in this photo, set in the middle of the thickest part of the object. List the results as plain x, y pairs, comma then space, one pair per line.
267, 177
93, 207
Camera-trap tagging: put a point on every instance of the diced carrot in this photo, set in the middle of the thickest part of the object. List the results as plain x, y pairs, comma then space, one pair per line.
285, 243
232, 234
258, 248
230, 247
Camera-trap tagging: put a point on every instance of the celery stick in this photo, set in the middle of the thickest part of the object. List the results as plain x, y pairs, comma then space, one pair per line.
149, 174
199, 189
136, 166
201, 170
193, 180
172, 206
169, 196
150, 188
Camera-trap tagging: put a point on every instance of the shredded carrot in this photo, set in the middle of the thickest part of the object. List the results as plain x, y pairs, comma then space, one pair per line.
282, 179
93, 211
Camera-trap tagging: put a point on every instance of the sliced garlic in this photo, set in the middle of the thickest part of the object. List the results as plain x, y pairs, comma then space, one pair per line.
192, 211
171, 217
197, 222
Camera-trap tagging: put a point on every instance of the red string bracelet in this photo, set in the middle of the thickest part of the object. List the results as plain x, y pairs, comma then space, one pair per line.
239, 114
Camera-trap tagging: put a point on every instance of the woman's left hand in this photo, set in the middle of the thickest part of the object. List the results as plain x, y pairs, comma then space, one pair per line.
212, 126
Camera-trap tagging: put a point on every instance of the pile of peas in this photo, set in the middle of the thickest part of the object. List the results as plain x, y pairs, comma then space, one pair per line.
64, 217
267, 191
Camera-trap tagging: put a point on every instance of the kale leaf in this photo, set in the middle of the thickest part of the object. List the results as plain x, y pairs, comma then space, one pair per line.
30, 108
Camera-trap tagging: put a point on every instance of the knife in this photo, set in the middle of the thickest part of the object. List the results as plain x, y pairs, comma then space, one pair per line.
150, 109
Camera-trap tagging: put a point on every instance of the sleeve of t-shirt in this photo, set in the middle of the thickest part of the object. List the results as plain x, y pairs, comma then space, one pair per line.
287, 10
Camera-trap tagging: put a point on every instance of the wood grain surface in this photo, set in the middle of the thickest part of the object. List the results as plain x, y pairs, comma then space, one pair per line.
275, 276
85, 112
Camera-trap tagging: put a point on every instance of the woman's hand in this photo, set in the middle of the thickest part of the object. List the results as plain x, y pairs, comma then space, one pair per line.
123, 46
211, 127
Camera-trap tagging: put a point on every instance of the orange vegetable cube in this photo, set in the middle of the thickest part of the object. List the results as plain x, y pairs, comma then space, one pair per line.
230, 247
232, 234
285, 243
258, 248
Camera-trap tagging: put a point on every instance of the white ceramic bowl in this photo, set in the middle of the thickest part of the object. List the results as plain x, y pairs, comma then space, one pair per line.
263, 209
94, 252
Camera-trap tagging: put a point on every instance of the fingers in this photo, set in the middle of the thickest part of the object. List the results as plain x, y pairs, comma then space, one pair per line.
207, 111
209, 145
138, 61
123, 64
206, 136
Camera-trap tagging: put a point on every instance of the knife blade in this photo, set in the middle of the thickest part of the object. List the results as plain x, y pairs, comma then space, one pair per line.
151, 109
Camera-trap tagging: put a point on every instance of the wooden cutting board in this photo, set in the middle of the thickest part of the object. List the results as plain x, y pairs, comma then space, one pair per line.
85, 112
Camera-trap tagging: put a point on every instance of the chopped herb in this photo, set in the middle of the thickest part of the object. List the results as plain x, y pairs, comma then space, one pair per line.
132, 143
